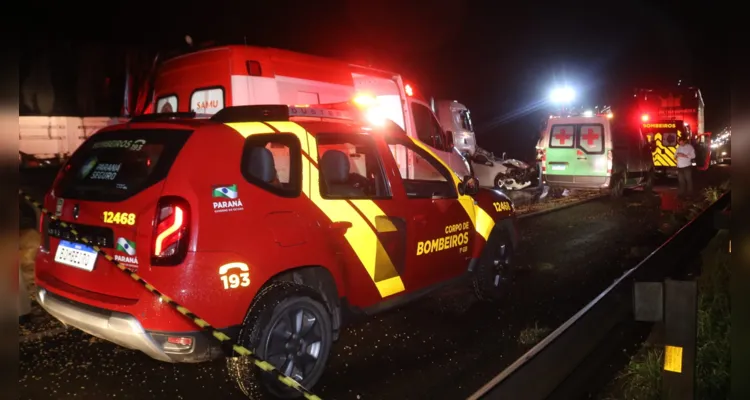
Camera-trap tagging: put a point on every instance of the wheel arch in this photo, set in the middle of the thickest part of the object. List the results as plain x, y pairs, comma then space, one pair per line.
496, 178
318, 278
503, 219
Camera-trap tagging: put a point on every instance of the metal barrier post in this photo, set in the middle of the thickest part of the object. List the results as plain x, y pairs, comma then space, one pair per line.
680, 334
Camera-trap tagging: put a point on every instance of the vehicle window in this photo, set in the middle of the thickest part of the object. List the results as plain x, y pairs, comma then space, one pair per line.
437, 134
166, 104
112, 166
562, 136
350, 167
273, 163
591, 138
431, 179
207, 100
466, 120
423, 122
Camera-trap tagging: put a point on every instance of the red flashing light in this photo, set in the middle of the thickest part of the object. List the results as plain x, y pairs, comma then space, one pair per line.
644, 117
409, 91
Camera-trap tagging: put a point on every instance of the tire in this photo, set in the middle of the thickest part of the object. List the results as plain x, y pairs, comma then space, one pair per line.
273, 310
617, 186
499, 181
493, 270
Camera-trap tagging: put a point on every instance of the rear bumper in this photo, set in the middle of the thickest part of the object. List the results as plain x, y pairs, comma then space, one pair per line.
125, 330
668, 171
577, 182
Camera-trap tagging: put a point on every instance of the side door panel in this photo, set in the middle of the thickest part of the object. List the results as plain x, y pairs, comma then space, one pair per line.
439, 231
590, 151
561, 152
366, 224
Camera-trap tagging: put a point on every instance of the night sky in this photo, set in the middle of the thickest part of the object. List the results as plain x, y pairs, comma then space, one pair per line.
499, 60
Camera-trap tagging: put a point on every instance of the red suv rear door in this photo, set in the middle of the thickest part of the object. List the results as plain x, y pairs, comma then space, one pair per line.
108, 192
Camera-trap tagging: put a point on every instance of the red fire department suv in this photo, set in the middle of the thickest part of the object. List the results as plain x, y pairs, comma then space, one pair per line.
266, 221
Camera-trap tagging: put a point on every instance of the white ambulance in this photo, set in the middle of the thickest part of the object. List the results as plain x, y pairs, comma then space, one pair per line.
208, 80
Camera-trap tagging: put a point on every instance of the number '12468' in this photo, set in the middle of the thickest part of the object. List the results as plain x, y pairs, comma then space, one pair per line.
119, 218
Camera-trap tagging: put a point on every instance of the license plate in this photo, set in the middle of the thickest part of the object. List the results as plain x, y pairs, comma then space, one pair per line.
76, 255
558, 167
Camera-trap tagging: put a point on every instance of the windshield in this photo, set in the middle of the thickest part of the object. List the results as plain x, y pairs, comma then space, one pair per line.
112, 166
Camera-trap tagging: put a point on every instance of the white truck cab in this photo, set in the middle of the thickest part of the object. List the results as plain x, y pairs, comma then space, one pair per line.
456, 119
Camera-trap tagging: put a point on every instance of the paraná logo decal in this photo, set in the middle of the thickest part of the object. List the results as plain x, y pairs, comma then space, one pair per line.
128, 247
226, 198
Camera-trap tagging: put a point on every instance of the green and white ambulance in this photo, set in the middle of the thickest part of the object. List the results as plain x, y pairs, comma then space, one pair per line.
594, 152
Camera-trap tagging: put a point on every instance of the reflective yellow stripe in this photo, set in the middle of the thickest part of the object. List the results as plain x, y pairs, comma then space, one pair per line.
671, 161
249, 128
390, 286
483, 226
665, 158
657, 160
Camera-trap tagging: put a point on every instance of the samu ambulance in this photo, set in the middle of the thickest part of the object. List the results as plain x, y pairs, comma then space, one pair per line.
208, 80
594, 152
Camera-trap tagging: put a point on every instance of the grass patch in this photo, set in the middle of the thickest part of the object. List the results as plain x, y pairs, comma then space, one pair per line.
532, 335
641, 378
707, 197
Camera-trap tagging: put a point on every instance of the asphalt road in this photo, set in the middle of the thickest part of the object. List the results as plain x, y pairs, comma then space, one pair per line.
446, 345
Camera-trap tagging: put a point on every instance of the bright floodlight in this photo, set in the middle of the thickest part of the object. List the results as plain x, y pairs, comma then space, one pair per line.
562, 95
588, 113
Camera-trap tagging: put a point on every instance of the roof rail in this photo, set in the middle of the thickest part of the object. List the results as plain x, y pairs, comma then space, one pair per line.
276, 112
163, 116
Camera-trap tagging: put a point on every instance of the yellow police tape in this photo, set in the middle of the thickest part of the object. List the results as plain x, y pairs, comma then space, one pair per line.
220, 336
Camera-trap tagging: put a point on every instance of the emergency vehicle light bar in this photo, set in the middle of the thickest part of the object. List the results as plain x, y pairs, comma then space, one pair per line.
163, 116
254, 113
275, 112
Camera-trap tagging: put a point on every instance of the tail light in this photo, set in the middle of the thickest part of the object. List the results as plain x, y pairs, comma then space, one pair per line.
171, 232
541, 156
609, 162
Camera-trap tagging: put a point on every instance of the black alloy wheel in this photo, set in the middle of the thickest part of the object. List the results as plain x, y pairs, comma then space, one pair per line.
288, 326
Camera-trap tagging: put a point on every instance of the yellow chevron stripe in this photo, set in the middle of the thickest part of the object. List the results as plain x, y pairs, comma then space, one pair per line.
361, 237
483, 223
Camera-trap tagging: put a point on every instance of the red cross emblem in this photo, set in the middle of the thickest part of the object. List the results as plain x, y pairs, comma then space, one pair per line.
562, 136
589, 137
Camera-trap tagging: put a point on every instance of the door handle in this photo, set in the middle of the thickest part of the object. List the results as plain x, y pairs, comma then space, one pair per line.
341, 226
420, 219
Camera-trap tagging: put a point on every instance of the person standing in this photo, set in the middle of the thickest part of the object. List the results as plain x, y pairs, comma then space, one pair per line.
685, 155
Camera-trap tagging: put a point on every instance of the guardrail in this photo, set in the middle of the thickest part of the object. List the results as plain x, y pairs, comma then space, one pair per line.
561, 364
